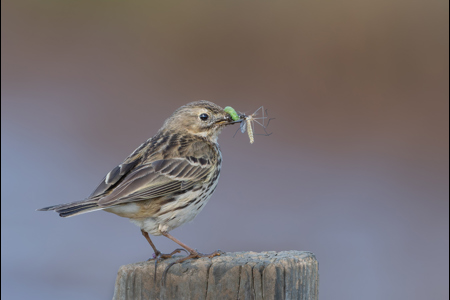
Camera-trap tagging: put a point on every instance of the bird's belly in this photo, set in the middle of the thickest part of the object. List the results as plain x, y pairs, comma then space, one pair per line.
175, 213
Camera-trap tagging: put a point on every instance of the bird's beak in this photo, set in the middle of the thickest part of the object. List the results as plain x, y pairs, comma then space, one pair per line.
226, 120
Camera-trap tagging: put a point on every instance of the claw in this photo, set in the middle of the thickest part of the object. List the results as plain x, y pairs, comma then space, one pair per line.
160, 256
164, 256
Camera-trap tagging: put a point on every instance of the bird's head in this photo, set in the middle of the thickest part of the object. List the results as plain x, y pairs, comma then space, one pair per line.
200, 118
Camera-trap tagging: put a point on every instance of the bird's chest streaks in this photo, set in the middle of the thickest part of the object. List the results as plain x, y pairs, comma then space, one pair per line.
186, 208
182, 208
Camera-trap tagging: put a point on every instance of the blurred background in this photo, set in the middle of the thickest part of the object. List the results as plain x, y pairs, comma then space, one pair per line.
356, 169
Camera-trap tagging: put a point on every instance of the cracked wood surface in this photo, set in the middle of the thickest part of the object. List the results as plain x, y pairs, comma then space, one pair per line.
239, 275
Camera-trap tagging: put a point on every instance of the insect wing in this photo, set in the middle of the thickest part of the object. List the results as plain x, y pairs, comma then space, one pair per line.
243, 126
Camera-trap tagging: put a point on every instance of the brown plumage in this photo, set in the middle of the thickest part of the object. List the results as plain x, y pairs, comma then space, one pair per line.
167, 180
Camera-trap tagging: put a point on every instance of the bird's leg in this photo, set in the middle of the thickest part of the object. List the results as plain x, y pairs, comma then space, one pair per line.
147, 237
158, 255
193, 254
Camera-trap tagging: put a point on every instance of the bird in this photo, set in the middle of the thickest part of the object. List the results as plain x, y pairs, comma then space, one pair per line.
167, 180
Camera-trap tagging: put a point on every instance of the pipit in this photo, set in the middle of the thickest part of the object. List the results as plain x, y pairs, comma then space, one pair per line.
167, 180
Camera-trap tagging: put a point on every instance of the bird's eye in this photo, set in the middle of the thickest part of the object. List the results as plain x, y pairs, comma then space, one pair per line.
203, 117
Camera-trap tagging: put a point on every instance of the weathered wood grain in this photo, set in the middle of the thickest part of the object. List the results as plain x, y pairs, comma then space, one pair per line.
240, 275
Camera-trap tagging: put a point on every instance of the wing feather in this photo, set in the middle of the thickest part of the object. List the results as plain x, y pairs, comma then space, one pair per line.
157, 179
113, 177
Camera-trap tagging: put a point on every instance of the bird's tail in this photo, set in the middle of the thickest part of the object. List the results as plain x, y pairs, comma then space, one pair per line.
74, 208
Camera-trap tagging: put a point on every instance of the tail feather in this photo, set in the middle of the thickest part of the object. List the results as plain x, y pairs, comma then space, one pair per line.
74, 208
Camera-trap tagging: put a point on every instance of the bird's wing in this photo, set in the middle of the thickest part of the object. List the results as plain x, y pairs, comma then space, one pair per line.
112, 178
116, 175
161, 177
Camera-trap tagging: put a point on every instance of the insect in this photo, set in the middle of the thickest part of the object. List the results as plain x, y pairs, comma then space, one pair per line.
250, 129
247, 123
232, 113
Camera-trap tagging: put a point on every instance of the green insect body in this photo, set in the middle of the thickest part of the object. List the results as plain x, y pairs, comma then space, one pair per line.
232, 113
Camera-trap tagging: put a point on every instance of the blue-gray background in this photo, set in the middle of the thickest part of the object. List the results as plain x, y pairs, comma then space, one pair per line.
356, 170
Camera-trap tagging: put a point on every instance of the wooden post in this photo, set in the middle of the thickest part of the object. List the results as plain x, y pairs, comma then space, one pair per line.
240, 275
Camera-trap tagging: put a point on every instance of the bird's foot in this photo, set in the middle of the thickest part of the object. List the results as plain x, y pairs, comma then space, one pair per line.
193, 254
158, 256
199, 255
